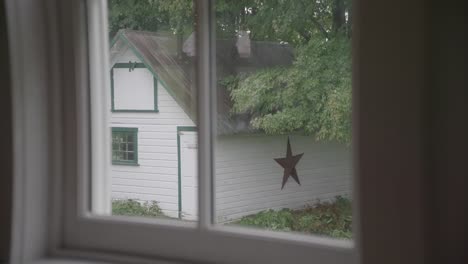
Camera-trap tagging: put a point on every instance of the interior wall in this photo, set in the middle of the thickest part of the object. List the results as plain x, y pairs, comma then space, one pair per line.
412, 57
5, 143
447, 143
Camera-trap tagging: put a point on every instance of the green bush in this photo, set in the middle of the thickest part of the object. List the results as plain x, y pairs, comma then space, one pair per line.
274, 220
134, 208
327, 218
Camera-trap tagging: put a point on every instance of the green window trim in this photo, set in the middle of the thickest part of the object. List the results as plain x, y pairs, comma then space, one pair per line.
130, 66
133, 131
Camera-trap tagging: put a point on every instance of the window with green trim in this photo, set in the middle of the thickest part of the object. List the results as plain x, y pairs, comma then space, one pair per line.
124, 146
133, 88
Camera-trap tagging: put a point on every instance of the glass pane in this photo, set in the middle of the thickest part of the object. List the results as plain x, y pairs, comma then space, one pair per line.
130, 146
119, 156
129, 137
283, 153
115, 146
152, 107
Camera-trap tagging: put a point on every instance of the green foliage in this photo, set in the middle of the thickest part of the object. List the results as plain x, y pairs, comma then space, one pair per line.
134, 208
295, 22
179, 14
136, 14
312, 96
330, 219
275, 220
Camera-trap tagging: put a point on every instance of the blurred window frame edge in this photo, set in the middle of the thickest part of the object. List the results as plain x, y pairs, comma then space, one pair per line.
41, 229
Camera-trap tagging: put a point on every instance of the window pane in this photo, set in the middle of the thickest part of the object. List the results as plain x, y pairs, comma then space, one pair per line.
151, 109
283, 154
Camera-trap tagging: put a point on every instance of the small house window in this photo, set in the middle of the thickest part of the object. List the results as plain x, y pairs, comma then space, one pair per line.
124, 146
133, 88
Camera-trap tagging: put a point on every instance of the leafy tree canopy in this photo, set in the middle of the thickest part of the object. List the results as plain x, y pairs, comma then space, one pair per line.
313, 95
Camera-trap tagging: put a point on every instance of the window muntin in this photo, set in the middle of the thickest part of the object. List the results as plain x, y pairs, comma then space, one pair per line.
124, 146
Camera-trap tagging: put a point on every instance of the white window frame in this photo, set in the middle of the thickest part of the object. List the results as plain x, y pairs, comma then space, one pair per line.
51, 116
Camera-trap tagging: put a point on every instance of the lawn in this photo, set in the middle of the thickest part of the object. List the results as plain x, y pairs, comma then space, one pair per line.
323, 218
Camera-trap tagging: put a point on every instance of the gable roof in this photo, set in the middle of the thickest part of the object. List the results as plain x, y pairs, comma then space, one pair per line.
161, 54
158, 53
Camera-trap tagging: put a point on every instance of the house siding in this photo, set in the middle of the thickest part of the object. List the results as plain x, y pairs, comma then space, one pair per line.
248, 180
156, 177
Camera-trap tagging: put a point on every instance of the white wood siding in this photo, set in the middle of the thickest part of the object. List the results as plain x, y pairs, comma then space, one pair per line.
156, 177
248, 180
133, 89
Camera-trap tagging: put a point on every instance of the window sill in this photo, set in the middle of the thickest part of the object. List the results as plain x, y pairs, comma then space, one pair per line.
66, 261
51, 260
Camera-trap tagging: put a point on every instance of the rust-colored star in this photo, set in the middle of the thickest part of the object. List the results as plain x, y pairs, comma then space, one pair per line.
289, 164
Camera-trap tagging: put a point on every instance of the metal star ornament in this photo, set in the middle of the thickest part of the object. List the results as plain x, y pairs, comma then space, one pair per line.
289, 164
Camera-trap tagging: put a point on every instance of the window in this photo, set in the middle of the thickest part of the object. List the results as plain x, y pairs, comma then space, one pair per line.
124, 146
79, 86
179, 148
133, 87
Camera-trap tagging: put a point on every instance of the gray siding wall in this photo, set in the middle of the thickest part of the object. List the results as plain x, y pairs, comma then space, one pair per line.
248, 180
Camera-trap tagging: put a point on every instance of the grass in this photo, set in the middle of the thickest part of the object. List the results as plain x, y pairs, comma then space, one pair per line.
327, 218
134, 208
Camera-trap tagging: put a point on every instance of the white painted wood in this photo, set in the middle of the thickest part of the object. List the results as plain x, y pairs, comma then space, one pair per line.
125, 55
248, 180
133, 89
156, 177
189, 174
98, 97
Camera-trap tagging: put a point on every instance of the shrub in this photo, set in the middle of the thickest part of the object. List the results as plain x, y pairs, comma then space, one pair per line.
326, 218
134, 208
275, 220
332, 219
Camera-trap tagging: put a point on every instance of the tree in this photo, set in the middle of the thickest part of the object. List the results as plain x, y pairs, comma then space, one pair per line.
312, 96
136, 14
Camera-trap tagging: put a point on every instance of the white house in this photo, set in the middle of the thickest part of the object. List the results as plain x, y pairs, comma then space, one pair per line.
154, 147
